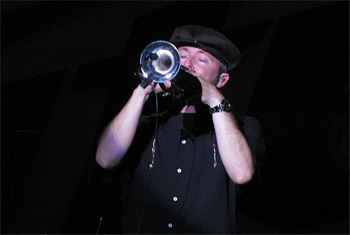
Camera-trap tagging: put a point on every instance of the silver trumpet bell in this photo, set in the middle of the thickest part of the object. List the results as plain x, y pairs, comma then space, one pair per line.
159, 62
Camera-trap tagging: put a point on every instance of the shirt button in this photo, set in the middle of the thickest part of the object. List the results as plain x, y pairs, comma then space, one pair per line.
179, 170
170, 225
183, 141
175, 199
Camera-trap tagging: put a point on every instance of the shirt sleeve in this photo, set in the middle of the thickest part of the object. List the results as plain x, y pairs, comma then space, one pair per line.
252, 130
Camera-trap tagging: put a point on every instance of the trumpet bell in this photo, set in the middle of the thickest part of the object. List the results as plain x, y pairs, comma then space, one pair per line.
160, 61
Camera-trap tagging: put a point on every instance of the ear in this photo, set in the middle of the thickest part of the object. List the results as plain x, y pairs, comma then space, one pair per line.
224, 77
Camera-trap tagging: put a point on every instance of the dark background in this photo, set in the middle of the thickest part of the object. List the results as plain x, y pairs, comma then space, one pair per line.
67, 69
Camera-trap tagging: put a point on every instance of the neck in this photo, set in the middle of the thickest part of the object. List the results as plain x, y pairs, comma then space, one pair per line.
188, 109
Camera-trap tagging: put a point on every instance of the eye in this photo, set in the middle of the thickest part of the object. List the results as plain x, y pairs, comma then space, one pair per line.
203, 60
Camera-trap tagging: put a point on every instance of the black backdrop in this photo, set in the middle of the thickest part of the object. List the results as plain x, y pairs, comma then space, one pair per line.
294, 78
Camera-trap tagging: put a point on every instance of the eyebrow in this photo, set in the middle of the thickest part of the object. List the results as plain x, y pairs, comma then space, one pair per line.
198, 51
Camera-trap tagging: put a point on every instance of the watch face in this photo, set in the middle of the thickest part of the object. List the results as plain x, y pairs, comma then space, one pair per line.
227, 105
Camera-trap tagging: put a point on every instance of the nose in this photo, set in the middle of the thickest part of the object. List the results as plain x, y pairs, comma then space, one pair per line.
187, 63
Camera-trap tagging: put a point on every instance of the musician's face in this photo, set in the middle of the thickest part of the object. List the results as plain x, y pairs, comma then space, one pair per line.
201, 62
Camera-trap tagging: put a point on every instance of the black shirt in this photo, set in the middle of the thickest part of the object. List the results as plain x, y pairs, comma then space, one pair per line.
186, 189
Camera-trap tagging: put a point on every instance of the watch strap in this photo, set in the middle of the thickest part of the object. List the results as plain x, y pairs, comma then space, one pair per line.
224, 106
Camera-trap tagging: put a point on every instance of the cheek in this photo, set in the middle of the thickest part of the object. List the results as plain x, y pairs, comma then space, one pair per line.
211, 75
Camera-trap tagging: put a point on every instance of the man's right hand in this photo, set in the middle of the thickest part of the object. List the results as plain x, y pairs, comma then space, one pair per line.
148, 89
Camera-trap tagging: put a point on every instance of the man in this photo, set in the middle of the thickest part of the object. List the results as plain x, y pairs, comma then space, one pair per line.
185, 181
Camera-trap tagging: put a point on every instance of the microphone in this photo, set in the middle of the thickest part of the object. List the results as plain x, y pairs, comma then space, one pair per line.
151, 56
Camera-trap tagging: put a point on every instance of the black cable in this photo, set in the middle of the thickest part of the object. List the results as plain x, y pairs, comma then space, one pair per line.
149, 178
155, 130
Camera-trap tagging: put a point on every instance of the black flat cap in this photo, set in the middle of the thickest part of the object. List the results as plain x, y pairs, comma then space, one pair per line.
209, 40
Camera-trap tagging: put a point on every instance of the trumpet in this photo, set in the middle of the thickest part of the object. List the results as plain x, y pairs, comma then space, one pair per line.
159, 62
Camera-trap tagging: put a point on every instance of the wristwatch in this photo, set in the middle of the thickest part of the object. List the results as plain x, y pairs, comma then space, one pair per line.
224, 106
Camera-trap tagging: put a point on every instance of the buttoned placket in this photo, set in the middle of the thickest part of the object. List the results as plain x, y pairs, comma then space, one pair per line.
179, 171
